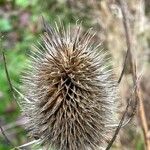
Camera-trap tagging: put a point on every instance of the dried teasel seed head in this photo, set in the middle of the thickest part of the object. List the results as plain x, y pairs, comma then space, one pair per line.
71, 92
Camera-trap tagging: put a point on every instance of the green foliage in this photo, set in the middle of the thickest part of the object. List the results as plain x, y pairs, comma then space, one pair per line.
139, 144
25, 3
5, 25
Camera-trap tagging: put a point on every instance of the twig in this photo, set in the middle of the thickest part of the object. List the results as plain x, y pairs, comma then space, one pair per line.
119, 127
133, 67
2, 131
8, 77
7, 74
127, 35
124, 66
6, 138
123, 117
12, 92
138, 94
143, 118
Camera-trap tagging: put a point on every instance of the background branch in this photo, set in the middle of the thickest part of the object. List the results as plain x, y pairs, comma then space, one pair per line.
143, 120
5, 136
128, 36
8, 77
2, 131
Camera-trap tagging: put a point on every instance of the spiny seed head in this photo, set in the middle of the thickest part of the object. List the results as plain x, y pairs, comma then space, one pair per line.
71, 94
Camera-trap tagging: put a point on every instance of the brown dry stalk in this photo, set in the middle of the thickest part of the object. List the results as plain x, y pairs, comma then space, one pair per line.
143, 120
128, 36
129, 54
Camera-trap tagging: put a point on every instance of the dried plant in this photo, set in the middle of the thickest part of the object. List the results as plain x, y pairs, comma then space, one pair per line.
71, 92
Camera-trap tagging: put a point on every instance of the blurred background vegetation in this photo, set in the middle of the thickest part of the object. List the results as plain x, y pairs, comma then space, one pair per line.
20, 28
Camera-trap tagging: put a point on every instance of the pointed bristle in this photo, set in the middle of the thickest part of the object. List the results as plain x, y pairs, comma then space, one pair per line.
71, 94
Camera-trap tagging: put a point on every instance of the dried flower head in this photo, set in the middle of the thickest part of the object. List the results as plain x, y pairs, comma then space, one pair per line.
71, 94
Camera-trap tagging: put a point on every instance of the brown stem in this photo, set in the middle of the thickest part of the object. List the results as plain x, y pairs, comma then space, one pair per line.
128, 36
143, 119
133, 68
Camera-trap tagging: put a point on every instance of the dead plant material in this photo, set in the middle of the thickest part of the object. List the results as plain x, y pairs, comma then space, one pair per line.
143, 120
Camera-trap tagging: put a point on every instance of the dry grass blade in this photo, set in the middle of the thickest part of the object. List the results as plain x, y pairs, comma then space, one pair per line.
24, 146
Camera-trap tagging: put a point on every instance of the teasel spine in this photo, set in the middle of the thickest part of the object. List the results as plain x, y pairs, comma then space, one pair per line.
71, 94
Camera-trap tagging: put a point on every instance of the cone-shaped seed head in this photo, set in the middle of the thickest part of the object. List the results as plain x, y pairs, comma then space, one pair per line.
71, 94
